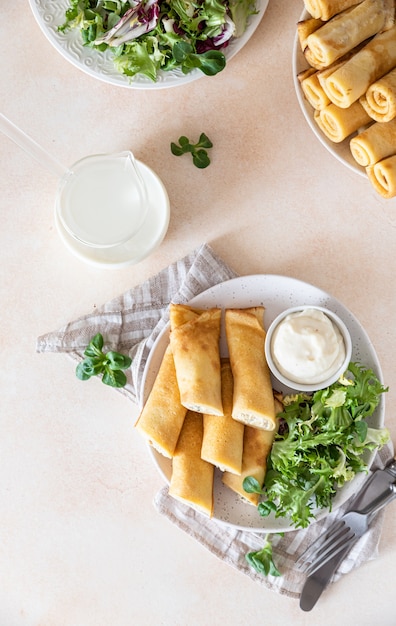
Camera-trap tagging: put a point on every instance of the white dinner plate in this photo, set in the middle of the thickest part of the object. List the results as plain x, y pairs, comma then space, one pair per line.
51, 15
340, 151
275, 293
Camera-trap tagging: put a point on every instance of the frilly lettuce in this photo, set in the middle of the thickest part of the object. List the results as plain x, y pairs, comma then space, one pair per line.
142, 35
320, 445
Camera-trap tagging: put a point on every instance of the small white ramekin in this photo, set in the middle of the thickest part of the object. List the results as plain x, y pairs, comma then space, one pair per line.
300, 386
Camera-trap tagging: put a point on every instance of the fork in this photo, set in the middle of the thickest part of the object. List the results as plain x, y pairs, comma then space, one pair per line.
342, 534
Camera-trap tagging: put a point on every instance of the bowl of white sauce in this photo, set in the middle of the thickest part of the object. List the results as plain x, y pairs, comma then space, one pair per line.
308, 348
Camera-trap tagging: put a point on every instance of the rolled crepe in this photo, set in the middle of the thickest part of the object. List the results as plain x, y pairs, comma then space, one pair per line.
312, 84
222, 443
346, 30
194, 340
192, 477
375, 143
162, 417
325, 9
314, 92
380, 98
253, 401
257, 445
337, 124
305, 28
382, 176
347, 83
305, 74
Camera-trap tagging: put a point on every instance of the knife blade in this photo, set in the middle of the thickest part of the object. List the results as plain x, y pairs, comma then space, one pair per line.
317, 582
379, 482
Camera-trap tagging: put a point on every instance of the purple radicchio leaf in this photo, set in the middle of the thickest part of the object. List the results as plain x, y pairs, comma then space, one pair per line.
220, 41
140, 19
226, 34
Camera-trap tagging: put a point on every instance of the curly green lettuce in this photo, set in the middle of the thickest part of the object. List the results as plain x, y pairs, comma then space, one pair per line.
146, 36
320, 446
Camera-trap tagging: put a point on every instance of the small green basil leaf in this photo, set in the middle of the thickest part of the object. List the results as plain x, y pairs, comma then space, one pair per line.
176, 150
114, 378
117, 361
180, 50
191, 62
83, 372
200, 159
204, 141
257, 563
212, 62
184, 142
97, 341
266, 507
262, 560
251, 485
94, 348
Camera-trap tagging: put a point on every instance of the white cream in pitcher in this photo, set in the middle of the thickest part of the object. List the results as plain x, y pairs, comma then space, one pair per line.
307, 346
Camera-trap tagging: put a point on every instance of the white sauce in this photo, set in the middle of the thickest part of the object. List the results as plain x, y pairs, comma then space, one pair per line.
307, 347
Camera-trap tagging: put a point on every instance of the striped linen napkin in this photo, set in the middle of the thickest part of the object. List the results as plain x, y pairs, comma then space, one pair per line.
231, 544
131, 323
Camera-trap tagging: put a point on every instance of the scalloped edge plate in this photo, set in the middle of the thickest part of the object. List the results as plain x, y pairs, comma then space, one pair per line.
49, 15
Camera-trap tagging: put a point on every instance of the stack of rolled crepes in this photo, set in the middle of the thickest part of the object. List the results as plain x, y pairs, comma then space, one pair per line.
205, 411
350, 46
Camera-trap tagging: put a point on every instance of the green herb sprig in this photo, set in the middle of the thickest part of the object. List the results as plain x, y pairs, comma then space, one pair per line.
198, 150
262, 560
318, 448
109, 365
210, 62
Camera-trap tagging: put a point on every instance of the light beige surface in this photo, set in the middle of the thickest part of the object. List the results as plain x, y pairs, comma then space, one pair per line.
80, 542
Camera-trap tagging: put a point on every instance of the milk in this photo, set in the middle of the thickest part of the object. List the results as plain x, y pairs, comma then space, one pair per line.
102, 202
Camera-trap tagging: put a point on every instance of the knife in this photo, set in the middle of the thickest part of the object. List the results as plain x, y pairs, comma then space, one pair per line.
317, 582
379, 482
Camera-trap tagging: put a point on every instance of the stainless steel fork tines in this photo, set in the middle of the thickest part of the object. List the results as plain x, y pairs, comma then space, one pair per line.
342, 534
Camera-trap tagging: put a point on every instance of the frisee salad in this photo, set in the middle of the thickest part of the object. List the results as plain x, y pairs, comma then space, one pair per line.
319, 447
146, 37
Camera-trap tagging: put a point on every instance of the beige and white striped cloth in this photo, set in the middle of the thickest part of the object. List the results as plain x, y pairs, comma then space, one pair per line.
131, 323
231, 545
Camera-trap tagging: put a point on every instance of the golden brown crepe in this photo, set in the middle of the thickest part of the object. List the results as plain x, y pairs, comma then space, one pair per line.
375, 143
222, 443
379, 101
382, 176
257, 445
325, 9
349, 82
305, 28
337, 124
182, 313
313, 91
345, 31
312, 84
162, 417
192, 477
194, 340
253, 401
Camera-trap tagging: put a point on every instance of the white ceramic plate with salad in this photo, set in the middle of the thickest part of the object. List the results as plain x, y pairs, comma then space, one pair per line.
340, 150
50, 15
275, 293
